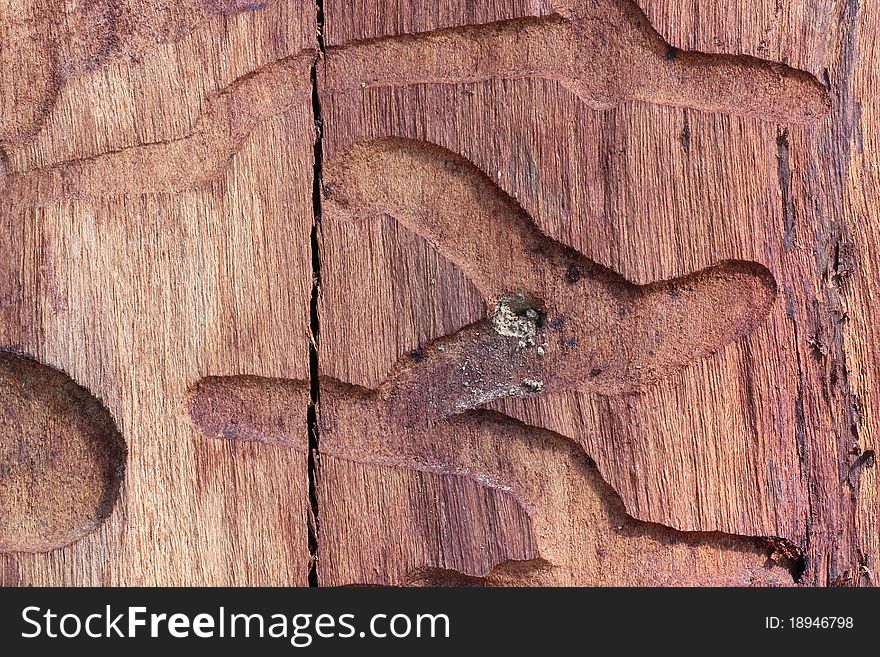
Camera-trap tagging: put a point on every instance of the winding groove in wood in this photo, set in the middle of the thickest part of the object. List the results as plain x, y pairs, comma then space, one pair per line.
553, 313
558, 321
604, 52
359, 427
48, 44
189, 162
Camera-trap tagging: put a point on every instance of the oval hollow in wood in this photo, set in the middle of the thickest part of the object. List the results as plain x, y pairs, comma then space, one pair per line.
61, 458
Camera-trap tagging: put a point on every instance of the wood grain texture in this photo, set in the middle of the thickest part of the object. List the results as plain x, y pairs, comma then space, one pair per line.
558, 292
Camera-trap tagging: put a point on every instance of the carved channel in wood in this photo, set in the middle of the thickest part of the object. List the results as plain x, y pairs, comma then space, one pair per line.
61, 458
513, 480
194, 160
556, 320
603, 51
47, 44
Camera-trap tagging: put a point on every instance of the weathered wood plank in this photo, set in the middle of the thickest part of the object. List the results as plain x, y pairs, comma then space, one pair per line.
138, 277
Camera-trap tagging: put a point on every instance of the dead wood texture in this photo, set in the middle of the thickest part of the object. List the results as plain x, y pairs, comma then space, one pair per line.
567, 292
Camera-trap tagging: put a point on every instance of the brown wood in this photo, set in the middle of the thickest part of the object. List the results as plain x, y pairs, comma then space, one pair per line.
566, 292
139, 274
62, 459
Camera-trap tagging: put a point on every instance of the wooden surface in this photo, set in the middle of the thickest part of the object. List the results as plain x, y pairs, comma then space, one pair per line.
498, 293
136, 296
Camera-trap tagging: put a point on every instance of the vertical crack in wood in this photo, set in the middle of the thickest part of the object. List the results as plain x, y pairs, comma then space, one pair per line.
838, 251
314, 323
801, 436
835, 556
784, 167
